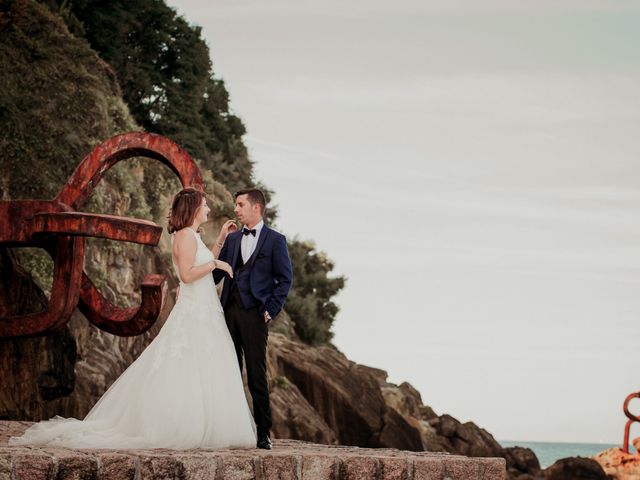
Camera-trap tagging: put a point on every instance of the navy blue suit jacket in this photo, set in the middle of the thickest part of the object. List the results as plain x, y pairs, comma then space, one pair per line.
270, 274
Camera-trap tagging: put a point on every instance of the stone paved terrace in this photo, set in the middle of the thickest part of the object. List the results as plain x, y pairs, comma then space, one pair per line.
290, 459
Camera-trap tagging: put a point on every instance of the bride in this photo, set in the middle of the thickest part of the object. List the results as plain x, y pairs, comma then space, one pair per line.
185, 390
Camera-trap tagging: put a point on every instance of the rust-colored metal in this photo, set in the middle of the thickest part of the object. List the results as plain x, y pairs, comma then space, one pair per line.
57, 227
92, 225
632, 418
125, 322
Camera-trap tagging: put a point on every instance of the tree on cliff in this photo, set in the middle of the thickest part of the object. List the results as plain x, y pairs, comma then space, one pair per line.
166, 76
309, 303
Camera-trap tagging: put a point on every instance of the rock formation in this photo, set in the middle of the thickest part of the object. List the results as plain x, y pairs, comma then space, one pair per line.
319, 395
575, 468
620, 465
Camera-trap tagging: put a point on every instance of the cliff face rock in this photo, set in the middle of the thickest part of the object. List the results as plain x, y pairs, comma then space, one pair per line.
319, 395
345, 395
407, 401
294, 417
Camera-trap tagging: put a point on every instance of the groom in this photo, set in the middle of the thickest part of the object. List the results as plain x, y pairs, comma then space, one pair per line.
254, 296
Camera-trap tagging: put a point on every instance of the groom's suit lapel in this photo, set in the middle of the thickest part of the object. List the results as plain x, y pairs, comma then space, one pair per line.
238, 242
261, 239
236, 250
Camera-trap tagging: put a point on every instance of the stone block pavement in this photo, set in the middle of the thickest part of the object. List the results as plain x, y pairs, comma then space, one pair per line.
289, 460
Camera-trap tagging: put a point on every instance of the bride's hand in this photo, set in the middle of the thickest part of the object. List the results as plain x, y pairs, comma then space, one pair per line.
227, 227
224, 266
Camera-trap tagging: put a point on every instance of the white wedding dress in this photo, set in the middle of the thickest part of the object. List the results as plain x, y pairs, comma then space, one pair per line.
184, 391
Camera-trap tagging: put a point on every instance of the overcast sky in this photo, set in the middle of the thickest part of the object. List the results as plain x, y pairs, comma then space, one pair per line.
473, 169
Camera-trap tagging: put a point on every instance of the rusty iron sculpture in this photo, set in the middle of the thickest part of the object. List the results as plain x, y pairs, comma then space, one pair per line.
59, 228
632, 418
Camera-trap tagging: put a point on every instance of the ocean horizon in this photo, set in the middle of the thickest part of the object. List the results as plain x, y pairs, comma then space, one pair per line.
549, 452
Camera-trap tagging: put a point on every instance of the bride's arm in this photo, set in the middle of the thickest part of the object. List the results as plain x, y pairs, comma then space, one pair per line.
228, 227
184, 251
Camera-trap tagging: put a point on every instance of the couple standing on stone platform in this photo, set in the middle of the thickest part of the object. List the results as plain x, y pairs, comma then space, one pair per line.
185, 390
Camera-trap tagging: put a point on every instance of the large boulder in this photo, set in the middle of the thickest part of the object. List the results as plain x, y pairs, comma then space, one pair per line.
575, 468
522, 461
467, 438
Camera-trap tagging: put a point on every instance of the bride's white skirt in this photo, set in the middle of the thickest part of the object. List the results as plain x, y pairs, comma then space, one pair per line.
184, 391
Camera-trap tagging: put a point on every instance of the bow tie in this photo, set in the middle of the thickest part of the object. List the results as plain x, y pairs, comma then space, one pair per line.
246, 231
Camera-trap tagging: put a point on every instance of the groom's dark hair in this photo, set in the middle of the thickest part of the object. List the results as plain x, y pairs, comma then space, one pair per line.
254, 195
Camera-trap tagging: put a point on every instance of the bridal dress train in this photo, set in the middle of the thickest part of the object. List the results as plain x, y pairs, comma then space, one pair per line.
184, 391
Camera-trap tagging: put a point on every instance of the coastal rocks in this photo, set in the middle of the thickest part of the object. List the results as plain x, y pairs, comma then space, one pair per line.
444, 433
467, 438
319, 395
522, 463
575, 468
344, 394
407, 401
618, 464
293, 417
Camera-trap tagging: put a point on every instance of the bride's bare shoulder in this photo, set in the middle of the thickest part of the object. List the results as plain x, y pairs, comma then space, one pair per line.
184, 235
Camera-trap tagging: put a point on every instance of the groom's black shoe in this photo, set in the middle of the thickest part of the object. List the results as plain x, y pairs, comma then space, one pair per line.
264, 441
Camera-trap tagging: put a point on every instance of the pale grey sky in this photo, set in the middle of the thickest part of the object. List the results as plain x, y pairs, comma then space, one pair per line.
472, 167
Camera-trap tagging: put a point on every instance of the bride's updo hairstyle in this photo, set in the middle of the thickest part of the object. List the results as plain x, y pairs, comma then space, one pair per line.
183, 208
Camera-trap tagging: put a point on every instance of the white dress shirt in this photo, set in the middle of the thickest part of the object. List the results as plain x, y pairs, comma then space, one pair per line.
249, 242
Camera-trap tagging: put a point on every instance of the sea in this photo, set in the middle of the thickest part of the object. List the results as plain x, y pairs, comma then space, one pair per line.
548, 452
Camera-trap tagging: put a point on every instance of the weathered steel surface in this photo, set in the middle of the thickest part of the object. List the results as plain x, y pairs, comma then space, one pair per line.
68, 255
133, 144
125, 322
632, 418
57, 227
93, 225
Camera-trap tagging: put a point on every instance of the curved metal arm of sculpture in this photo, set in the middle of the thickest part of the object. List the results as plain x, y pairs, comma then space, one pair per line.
132, 144
632, 418
68, 256
125, 322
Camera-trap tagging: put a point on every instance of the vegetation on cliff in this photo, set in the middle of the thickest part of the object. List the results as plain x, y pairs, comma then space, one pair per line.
164, 70
310, 302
